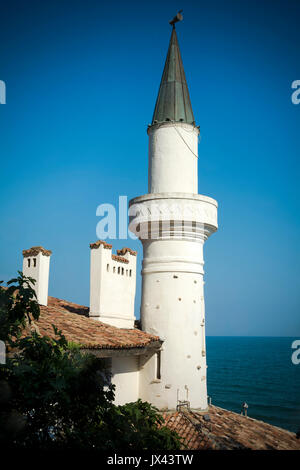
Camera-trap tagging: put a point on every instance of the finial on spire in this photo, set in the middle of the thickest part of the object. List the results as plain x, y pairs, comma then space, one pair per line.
178, 17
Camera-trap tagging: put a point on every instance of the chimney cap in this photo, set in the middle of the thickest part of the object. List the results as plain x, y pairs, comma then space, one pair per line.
99, 243
35, 250
125, 250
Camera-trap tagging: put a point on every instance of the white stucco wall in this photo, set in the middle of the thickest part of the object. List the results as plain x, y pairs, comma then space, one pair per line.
173, 158
173, 308
125, 375
40, 273
112, 288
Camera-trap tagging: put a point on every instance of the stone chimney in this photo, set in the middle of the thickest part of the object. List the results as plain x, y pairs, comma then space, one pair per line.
112, 285
36, 264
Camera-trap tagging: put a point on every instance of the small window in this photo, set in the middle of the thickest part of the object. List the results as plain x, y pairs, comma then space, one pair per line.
107, 267
122, 271
114, 269
126, 272
130, 273
158, 365
34, 262
119, 270
28, 261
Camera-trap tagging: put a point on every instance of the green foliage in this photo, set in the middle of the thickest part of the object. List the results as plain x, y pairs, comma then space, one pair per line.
54, 396
17, 306
138, 426
54, 390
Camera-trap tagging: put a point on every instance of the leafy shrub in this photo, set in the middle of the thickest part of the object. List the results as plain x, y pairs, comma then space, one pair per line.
54, 396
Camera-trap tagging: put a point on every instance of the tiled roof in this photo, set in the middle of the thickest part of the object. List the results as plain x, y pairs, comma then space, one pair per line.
119, 258
96, 245
120, 253
227, 430
125, 250
35, 250
91, 334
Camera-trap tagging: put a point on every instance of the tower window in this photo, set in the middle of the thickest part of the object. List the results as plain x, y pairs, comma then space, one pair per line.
28, 262
119, 270
126, 272
107, 267
158, 365
34, 262
130, 273
114, 269
122, 271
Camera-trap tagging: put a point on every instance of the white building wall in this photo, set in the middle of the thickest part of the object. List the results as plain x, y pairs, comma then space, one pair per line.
125, 375
173, 158
112, 286
37, 266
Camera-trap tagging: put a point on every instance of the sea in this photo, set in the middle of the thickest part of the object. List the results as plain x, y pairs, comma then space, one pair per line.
258, 371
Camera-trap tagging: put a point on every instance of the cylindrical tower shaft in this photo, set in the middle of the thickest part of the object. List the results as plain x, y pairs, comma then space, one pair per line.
173, 158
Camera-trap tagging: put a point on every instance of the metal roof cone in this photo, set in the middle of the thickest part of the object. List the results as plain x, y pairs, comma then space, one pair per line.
173, 102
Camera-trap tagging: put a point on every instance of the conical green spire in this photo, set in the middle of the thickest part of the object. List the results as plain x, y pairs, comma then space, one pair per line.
173, 102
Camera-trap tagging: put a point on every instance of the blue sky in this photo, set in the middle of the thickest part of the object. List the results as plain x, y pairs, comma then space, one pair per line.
82, 79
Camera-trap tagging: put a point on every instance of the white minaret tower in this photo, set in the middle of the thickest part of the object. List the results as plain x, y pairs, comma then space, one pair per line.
173, 221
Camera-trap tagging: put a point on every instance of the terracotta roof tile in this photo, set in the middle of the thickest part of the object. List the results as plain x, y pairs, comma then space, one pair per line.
35, 250
125, 250
96, 245
227, 430
72, 319
119, 258
120, 253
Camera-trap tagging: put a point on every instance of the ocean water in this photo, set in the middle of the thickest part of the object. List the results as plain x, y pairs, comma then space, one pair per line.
257, 370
